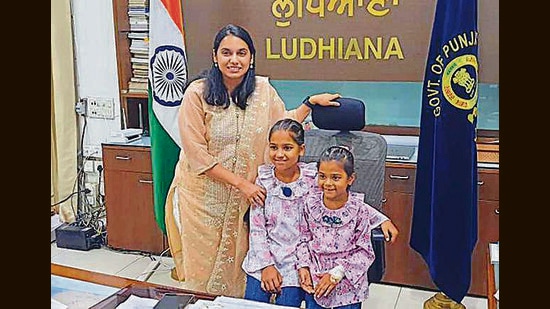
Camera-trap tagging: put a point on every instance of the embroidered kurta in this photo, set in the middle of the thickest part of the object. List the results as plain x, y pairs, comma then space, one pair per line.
207, 236
274, 228
339, 237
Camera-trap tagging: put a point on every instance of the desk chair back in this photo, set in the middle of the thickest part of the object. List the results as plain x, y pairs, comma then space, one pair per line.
369, 150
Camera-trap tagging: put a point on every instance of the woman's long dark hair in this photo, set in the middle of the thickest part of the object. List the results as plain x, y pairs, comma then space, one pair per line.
216, 92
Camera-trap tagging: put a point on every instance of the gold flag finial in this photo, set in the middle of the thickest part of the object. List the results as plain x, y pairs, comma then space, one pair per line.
442, 301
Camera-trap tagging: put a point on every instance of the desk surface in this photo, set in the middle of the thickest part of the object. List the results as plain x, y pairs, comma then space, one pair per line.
390, 140
115, 281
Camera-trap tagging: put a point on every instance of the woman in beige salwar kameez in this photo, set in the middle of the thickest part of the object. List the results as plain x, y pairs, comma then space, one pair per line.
224, 120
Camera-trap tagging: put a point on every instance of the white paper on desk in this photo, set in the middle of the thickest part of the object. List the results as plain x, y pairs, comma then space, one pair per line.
136, 302
77, 294
224, 302
204, 304
58, 305
239, 303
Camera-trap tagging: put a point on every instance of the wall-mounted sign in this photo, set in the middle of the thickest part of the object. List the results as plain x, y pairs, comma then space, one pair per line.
356, 40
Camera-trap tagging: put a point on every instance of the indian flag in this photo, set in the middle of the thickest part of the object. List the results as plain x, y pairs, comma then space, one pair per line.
167, 79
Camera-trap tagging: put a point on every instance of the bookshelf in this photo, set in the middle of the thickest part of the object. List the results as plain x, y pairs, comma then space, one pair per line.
131, 21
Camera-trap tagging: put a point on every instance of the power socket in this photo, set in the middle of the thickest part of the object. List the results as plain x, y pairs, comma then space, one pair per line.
103, 108
91, 197
92, 166
91, 151
89, 166
97, 165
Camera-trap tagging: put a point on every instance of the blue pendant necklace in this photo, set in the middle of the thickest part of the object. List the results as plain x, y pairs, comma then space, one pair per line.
287, 191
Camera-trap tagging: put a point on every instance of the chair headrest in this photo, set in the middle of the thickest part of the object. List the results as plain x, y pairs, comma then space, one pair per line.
349, 116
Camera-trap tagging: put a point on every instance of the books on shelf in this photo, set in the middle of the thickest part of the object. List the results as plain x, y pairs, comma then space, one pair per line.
138, 35
141, 55
140, 73
138, 20
139, 60
139, 46
137, 87
139, 79
139, 27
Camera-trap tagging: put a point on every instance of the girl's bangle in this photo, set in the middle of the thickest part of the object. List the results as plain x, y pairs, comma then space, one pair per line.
307, 103
336, 274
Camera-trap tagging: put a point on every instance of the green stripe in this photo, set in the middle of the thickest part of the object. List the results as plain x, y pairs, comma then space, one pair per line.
164, 156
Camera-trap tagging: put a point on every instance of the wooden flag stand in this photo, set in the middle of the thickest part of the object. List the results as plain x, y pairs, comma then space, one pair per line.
442, 301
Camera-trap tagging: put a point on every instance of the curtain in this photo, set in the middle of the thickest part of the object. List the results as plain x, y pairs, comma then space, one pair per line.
64, 121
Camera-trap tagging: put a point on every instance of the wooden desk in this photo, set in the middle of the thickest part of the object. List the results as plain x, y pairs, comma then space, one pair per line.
491, 286
115, 281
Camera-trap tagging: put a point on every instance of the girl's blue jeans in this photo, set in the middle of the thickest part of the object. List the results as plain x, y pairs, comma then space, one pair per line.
311, 304
289, 296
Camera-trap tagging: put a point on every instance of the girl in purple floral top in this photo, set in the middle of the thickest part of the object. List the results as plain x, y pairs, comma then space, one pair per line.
270, 263
335, 250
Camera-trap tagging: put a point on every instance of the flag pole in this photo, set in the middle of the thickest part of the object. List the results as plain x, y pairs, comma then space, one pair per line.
444, 227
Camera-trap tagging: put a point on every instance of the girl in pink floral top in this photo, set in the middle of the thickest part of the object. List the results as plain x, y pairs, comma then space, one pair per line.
270, 263
335, 250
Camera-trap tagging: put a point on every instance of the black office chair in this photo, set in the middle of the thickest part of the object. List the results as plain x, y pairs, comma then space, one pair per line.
342, 125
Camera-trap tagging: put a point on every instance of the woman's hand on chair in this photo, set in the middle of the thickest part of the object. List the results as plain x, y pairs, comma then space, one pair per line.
325, 99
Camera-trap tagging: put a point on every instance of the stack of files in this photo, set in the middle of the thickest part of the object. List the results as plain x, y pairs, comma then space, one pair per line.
138, 18
138, 13
139, 46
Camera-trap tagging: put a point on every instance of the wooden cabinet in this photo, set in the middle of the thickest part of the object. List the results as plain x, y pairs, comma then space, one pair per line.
488, 227
404, 266
129, 202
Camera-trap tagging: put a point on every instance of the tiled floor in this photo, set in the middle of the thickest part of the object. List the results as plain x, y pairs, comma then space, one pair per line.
131, 265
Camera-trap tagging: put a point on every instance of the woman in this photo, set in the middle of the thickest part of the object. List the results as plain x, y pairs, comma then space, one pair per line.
224, 120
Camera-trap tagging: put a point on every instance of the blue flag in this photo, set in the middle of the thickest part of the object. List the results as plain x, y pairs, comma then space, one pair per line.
444, 225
